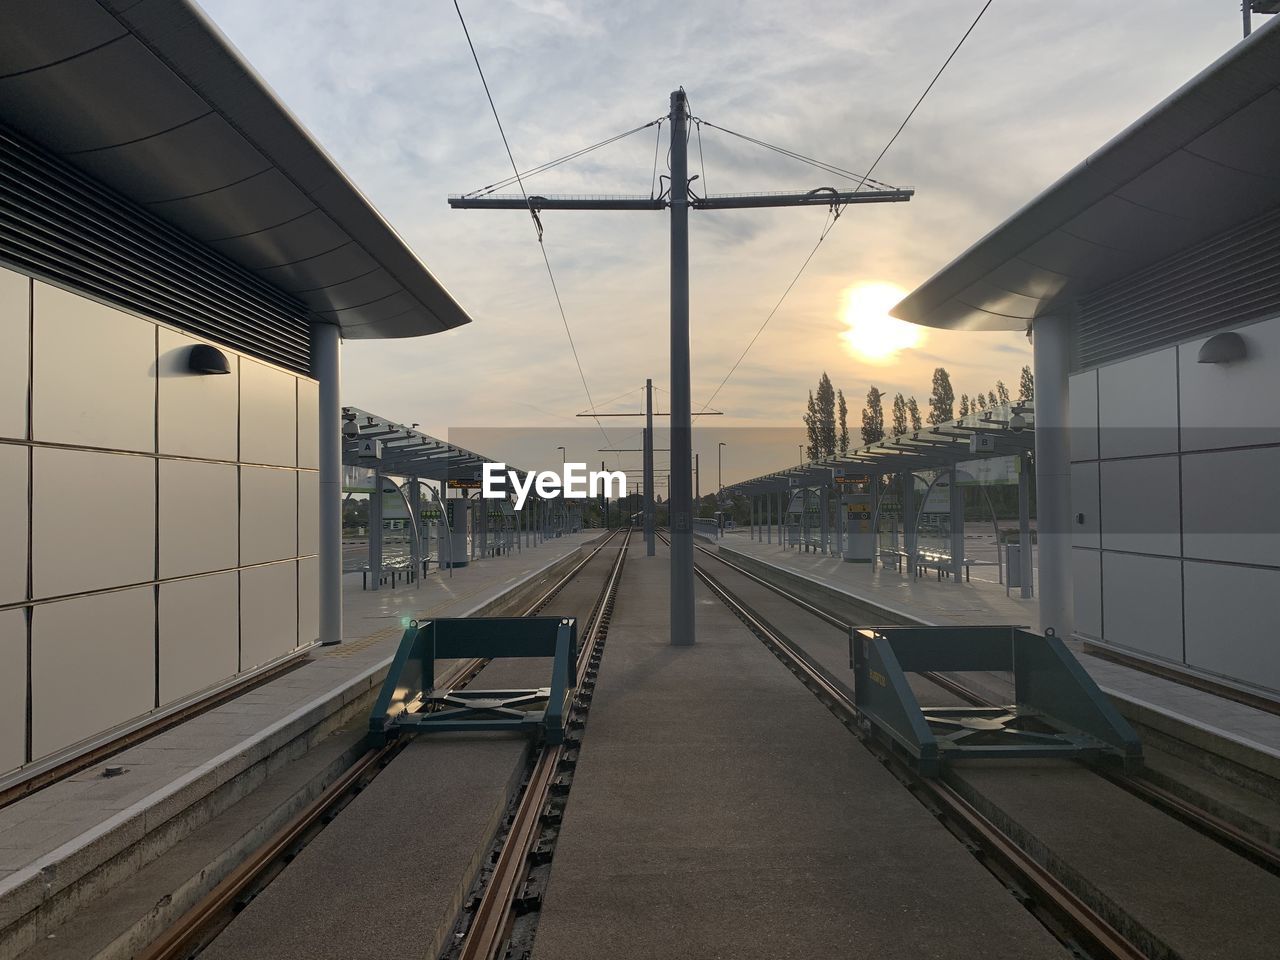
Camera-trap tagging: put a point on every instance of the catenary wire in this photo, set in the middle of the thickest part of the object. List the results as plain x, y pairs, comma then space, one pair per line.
833, 215
555, 289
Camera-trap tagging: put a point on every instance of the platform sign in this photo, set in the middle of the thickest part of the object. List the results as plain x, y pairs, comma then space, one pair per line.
464, 483
993, 471
370, 449
939, 499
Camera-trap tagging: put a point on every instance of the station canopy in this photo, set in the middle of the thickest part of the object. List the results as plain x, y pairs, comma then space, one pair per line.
405, 452
1004, 431
153, 101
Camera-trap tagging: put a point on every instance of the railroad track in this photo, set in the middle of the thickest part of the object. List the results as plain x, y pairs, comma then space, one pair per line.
202, 923
487, 930
1069, 917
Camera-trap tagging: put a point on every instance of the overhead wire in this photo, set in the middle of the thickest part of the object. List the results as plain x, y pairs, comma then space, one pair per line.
819, 164
555, 289
833, 215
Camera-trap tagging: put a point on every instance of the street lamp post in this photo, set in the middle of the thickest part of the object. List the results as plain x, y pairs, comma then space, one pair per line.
563, 455
720, 467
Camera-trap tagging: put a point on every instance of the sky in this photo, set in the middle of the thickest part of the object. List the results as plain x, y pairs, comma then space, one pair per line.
388, 87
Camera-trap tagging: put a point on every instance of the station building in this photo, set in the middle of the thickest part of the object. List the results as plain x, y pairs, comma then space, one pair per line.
179, 261
1149, 280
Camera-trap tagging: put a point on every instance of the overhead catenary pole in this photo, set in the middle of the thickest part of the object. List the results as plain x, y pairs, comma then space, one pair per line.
648, 469
680, 495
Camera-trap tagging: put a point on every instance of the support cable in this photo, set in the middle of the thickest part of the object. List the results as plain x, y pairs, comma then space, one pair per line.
833, 215
533, 214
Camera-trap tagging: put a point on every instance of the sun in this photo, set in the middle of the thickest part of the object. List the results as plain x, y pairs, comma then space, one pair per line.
873, 335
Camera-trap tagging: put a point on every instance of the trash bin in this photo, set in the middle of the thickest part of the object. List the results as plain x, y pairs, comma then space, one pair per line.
1013, 565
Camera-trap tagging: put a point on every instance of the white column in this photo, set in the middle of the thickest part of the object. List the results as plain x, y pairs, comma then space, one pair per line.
1052, 351
326, 367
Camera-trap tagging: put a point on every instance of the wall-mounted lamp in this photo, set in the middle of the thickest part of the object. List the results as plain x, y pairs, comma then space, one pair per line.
1223, 348
206, 359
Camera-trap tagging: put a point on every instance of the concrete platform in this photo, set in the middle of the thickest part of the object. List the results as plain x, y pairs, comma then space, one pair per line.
1243, 734
63, 846
719, 810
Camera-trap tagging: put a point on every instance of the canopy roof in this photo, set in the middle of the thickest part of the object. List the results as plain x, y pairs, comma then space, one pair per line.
1200, 163
934, 448
148, 97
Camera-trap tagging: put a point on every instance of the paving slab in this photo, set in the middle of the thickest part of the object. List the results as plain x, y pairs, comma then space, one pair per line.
719, 810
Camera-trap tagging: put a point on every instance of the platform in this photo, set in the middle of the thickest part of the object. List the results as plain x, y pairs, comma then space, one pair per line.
719, 810
82, 835
1246, 734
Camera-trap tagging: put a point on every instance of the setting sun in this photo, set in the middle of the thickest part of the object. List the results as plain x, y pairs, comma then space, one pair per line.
872, 334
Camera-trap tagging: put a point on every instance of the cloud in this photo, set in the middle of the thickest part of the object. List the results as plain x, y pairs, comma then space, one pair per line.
392, 94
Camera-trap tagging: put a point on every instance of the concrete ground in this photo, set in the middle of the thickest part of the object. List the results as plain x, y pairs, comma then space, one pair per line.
719, 810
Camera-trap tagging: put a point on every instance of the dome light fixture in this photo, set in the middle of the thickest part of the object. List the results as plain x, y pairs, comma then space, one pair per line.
1223, 348
206, 359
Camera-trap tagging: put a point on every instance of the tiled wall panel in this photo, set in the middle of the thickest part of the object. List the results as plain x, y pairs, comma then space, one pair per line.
1228, 506
1086, 592
93, 520
308, 600
1138, 406
308, 424
308, 513
1140, 510
268, 612
1143, 607
13, 522
1083, 415
15, 334
1231, 612
13, 688
96, 653
1233, 404
94, 382
268, 514
198, 413
268, 415
199, 633
1086, 529
199, 517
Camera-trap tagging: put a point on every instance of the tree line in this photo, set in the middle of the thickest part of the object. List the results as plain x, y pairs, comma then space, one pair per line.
826, 420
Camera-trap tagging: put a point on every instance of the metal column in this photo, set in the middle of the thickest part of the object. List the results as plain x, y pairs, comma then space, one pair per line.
648, 469
957, 527
326, 367
1052, 350
909, 517
415, 527
824, 525
682, 624
375, 531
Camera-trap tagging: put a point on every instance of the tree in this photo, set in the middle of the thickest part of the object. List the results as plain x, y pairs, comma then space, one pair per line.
942, 400
843, 409
1026, 385
964, 404
873, 418
826, 399
1002, 392
899, 415
812, 449
991, 398
913, 411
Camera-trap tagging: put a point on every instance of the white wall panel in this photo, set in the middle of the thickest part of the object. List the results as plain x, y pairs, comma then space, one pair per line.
268, 415
15, 334
199, 633
1083, 416
308, 513
13, 688
1138, 406
308, 600
1143, 607
1231, 616
1084, 500
197, 412
93, 520
308, 423
268, 612
268, 514
199, 517
1235, 404
92, 665
1140, 510
13, 522
1228, 506
94, 382
1086, 571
